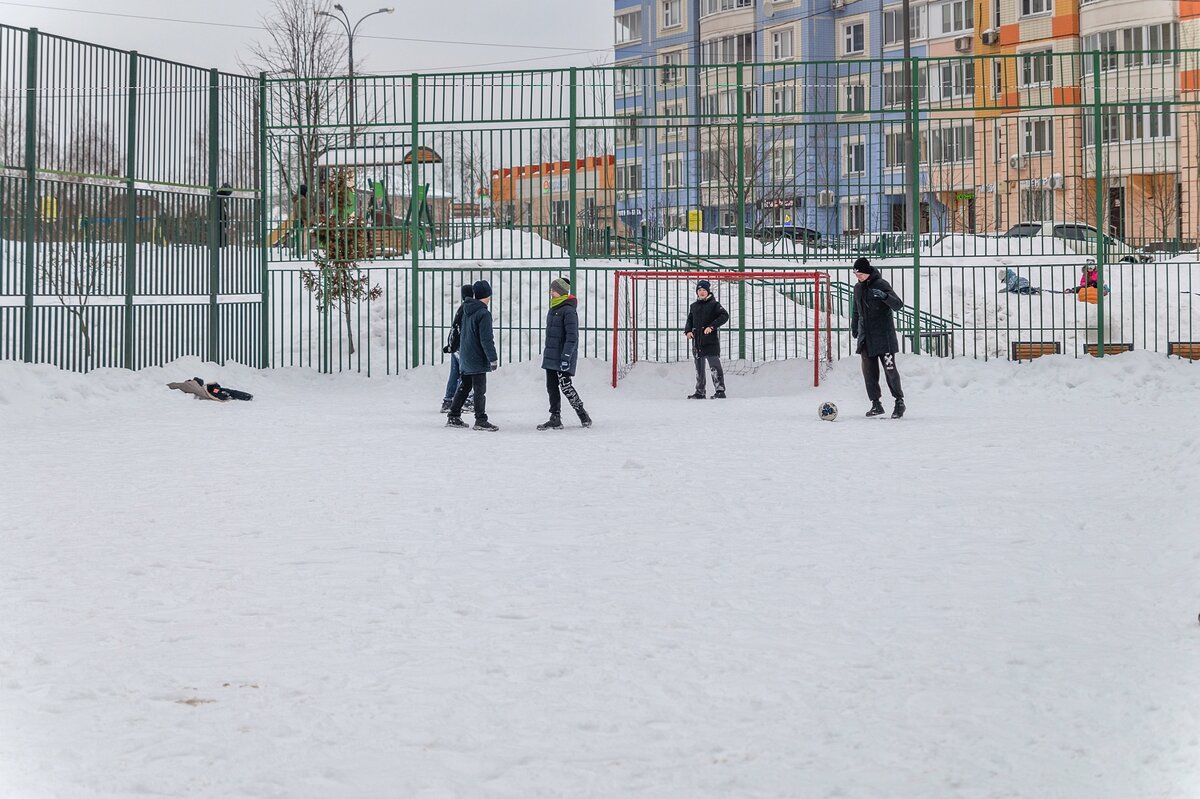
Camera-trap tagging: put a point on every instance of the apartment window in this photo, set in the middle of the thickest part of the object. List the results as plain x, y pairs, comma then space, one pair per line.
674, 121
958, 16
671, 72
627, 131
673, 171
997, 144
894, 152
856, 218
856, 158
629, 27
783, 100
854, 98
893, 25
627, 81
1140, 122
1037, 68
894, 91
1037, 205
781, 45
783, 165
951, 144
853, 38
1130, 47
1158, 39
1031, 7
1038, 136
672, 13
717, 6
729, 50
1110, 128
997, 77
629, 179
956, 80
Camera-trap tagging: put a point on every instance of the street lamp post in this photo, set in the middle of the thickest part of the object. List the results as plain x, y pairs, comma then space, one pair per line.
351, 30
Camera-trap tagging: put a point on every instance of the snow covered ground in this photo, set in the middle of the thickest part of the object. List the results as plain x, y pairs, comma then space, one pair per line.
324, 593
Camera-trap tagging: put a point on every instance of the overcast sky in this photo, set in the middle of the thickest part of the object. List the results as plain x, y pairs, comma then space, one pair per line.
573, 24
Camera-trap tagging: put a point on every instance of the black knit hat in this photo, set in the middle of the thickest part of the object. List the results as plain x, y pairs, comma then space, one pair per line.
863, 266
468, 292
704, 284
482, 289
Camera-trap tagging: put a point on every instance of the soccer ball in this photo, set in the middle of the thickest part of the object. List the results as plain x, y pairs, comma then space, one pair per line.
827, 411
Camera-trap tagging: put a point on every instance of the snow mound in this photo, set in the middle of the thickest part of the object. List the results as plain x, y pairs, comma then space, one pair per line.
500, 244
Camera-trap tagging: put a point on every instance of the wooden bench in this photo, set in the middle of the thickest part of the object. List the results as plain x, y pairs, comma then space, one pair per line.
1184, 349
1028, 350
1109, 348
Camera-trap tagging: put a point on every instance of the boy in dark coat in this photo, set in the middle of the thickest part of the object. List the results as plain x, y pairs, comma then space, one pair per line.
476, 357
451, 349
561, 353
704, 318
871, 324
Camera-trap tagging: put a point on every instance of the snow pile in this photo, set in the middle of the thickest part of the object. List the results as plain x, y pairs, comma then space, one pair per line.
499, 243
709, 244
958, 245
326, 593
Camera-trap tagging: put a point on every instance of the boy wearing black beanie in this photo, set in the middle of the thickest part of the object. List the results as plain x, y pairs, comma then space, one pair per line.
704, 318
476, 356
872, 326
467, 292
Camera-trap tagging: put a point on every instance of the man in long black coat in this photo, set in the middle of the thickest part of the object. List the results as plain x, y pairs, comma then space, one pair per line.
873, 328
703, 320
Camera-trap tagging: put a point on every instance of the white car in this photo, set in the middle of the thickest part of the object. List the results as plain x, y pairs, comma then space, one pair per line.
1078, 237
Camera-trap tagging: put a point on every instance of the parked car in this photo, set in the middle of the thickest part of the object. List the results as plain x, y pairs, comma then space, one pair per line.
768, 234
1078, 237
1168, 246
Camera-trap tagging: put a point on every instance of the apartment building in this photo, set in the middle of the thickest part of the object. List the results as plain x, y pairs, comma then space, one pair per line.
1007, 116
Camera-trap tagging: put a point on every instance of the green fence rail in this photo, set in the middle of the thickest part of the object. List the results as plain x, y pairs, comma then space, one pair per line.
151, 210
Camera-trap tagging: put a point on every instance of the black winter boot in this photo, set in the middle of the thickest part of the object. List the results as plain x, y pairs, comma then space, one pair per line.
455, 421
697, 395
876, 409
719, 395
584, 419
485, 426
446, 405
899, 410
554, 423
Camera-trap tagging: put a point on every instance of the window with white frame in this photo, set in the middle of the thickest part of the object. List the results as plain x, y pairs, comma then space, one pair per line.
1037, 68
1031, 7
708, 7
729, 50
629, 27
997, 77
1037, 136
629, 179
1132, 124
894, 91
673, 176
854, 38
952, 144
783, 99
895, 154
1129, 47
783, 164
1037, 205
958, 16
627, 81
671, 72
956, 80
1160, 38
781, 45
626, 134
673, 124
893, 25
997, 144
854, 98
856, 218
672, 13
856, 158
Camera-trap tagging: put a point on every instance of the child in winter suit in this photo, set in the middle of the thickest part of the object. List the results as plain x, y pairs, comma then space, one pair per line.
703, 319
561, 353
451, 349
477, 356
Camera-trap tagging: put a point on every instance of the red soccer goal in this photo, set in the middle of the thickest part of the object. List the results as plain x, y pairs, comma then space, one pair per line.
774, 315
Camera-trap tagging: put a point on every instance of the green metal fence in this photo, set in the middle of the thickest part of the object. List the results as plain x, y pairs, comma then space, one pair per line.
148, 210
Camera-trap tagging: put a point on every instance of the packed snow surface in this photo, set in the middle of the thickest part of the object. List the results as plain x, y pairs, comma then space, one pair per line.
325, 593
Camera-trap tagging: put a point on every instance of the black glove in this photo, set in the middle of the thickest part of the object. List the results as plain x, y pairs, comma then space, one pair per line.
446, 349
495, 365
879, 294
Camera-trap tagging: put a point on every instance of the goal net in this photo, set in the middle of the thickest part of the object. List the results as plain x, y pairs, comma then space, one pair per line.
773, 316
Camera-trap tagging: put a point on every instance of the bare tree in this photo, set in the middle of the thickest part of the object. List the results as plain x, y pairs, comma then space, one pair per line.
1163, 206
75, 276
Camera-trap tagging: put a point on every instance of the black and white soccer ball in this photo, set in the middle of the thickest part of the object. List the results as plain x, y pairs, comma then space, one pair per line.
827, 411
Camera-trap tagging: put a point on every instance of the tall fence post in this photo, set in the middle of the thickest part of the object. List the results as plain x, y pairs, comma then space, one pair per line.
572, 181
741, 209
914, 193
414, 225
1097, 110
31, 159
263, 209
214, 215
131, 207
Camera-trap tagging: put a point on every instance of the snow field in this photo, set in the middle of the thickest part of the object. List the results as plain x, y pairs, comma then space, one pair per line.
325, 593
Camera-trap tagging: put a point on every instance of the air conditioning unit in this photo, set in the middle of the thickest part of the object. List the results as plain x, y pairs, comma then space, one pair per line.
1055, 181
990, 36
963, 44
837, 4
826, 199
1016, 161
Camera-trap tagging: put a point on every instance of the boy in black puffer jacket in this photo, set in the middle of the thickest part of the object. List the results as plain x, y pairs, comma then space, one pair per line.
872, 325
561, 353
703, 320
451, 349
477, 356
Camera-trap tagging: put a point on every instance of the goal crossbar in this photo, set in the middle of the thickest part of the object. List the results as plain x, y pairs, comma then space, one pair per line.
821, 304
